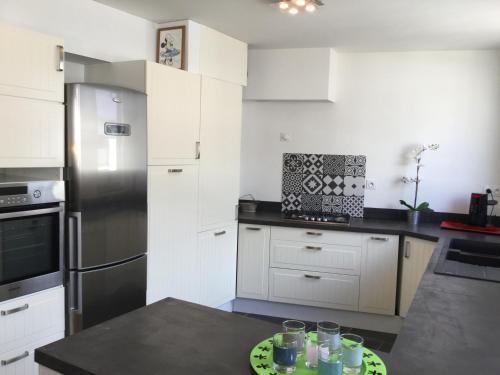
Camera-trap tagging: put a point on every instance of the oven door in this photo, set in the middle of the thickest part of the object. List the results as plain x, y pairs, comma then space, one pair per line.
31, 244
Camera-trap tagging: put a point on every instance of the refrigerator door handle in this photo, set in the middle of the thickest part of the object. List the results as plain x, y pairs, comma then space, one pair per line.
74, 239
74, 319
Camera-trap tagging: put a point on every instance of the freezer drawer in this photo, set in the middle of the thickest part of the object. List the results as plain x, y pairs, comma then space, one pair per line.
98, 295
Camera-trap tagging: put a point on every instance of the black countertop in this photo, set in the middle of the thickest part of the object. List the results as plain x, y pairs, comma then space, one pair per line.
453, 324
452, 327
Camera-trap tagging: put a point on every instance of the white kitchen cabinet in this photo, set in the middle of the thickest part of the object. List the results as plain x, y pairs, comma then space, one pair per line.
379, 270
173, 106
221, 106
314, 288
32, 133
27, 323
415, 258
31, 64
253, 261
317, 236
341, 259
173, 269
217, 260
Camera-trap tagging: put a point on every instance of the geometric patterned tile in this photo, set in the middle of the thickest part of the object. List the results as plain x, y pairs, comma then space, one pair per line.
355, 165
313, 164
333, 185
292, 182
291, 202
331, 204
354, 186
293, 163
312, 184
334, 164
353, 206
311, 202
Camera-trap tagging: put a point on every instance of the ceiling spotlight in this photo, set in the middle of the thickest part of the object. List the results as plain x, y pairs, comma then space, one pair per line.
311, 7
300, 3
283, 5
293, 11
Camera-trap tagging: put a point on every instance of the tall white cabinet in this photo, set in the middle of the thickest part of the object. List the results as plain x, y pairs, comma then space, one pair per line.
31, 97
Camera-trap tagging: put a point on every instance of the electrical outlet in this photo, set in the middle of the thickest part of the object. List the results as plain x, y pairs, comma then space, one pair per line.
495, 190
370, 185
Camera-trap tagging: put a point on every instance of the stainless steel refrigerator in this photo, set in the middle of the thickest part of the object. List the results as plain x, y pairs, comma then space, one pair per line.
107, 203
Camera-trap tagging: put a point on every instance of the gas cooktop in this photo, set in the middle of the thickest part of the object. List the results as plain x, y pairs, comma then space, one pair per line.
316, 217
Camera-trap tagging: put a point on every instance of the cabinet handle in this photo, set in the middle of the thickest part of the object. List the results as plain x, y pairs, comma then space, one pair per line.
197, 152
220, 233
13, 311
178, 170
312, 277
407, 249
253, 228
5, 362
60, 67
314, 233
375, 238
313, 247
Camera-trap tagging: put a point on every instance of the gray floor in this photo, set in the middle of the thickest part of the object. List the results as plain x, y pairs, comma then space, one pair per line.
373, 340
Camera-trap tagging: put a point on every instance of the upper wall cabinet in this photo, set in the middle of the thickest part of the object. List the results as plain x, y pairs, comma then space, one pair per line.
305, 74
173, 106
31, 64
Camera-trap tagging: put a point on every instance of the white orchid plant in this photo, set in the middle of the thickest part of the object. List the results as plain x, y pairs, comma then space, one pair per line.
416, 155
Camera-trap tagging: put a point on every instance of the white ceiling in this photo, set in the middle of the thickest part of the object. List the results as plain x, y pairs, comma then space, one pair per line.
365, 25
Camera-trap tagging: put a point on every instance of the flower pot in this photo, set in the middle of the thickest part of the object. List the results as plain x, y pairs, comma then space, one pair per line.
413, 217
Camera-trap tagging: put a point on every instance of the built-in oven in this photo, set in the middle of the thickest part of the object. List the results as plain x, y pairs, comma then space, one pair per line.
31, 236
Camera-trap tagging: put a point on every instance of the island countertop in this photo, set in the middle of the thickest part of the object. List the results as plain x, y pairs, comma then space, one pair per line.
453, 324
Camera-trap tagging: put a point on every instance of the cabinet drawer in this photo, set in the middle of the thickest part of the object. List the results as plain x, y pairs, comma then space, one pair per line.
21, 360
314, 289
341, 259
30, 318
317, 236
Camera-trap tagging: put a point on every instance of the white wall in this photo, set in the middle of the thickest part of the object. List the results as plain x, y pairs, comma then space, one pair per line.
386, 104
88, 28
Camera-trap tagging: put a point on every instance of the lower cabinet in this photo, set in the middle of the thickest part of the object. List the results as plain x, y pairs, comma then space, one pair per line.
379, 269
314, 288
253, 261
217, 259
27, 323
416, 256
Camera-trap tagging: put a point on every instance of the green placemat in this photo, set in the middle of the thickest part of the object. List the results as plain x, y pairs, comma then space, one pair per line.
261, 359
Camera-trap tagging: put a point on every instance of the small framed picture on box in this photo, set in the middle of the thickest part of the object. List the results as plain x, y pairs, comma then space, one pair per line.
170, 48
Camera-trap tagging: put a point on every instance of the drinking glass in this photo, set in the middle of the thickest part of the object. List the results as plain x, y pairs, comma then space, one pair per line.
352, 352
329, 359
312, 349
298, 327
284, 352
329, 331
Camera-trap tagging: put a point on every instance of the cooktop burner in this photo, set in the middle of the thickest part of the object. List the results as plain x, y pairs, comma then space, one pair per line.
325, 218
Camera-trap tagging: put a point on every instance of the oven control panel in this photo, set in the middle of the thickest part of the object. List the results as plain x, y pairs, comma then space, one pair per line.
32, 192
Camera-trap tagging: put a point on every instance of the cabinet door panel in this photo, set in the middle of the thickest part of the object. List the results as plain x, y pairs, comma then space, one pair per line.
32, 133
173, 115
314, 289
29, 63
416, 256
379, 270
172, 258
253, 261
220, 152
217, 255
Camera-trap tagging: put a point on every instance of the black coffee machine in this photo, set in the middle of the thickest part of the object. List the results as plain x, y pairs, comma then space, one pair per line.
478, 210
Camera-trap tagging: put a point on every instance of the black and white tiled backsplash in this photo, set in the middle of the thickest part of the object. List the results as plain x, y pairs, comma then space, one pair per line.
324, 183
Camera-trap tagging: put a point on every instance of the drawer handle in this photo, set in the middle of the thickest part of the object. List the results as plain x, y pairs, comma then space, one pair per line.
60, 66
220, 233
312, 277
314, 233
313, 247
253, 228
5, 362
175, 170
13, 311
407, 249
375, 238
